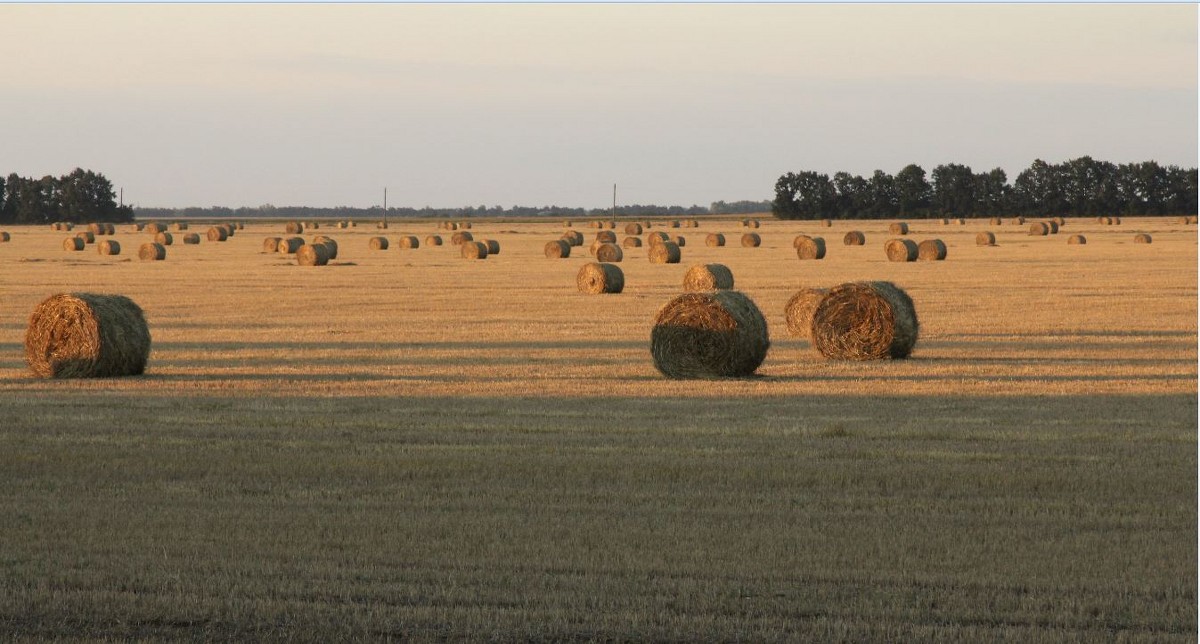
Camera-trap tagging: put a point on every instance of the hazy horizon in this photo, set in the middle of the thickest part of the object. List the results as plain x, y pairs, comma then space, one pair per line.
534, 104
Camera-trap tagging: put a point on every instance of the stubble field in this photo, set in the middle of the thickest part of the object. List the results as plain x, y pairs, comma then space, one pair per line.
408, 445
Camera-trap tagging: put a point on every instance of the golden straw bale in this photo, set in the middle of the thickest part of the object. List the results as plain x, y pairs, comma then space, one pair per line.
88, 237
573, 237
290, 245
714, 239
674, 223
313, 255
708, 277
95, 229
931, 250
656, 237
378, 243
293, 228
631, 242
191, 238
1076, 240
1018, 221
854, 238
179, 226
714, 334
751, 240
809, 247
73, 243
154, 228
410, 242
1142, 238
109, 247
1039, 228
633, 228
87, 335
901, 250
217, 234
679, 240
474, 250
995, 221
461, 237
608, 252
493, 246
664, 253
433, 240
898, 228
596, 278
557, 249
799, 311
828, 223
152, 251
606, 236
865, 321
271, 244
985, 239
4, 236
329, 243
166, 239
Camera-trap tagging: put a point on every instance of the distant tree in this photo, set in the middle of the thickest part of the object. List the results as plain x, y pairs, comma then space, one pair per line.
953, 190
912, 191
884, 201
991, 193
807, 195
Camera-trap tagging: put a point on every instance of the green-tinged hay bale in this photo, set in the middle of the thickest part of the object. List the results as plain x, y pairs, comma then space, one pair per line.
597, 278
95, 229
828, 223
679, 240
154, 228
557, 249
461, 237
715, 334
329, 244
1059, 221
799, 311
152, 252
931, 250
714, 240
217, 234
854, 238
191, 239
1039, 229
633, 229
751, 240
87, 335
381, 225
474, 250
271, 244
433, 240
409, 242
230, 230
865, 321
1141, 238
88, 237
293, 228
674, 223
631, 242
708, 277
664, 253
73, 243
4, 237
573, 237
809, 247
313, 255
109, 247
1052, 227
985, 239
901, 250
1018, 221
493, 246
898, 228
606, 236
995, 221
289, 245
179, 226
608, 252
377, 243
1076, 240
657, 237
166, 239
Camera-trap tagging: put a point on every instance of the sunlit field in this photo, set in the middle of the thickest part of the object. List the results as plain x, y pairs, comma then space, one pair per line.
409, 445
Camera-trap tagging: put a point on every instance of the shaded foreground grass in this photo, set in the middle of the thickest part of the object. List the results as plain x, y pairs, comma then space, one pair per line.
773, 518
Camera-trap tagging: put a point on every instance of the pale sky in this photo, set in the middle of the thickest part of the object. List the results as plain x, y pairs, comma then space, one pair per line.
465, 105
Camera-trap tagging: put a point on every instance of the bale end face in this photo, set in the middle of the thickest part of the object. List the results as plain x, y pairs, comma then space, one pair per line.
87, 335
718, 334
1142, 238
109, 247
608, 252
313, 255
1076, 240
191, 239
714, 240
271, 244
433, 240
597, 278
410, 242
799, 311
854, 238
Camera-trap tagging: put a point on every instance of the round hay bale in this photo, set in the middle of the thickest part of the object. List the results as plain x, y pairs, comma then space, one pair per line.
1052, 227
341, 224
88, 237
96, 229
606, 236
608, 252
73, 243
596, 244
945, 222
714, 239
664, 253
239, 225
647, 225
751, 240
596, 224
293, 228
566, 223
378, 243
1142, 238
960, 221
329, 243
433, 240
409, 242
716, 334
290, 245
474, 250
679, 240
312, 225
573, 237
230, 230
87, 335
1076, 240
166, 239
271, 244
931, 250
1116, 221
865, 321
995, 221
799, 311
557, 249
493, 246
828, 223
854, 238
1059, 221
109, 247
751, 223
110, 229
809, 247
901, 250
656, 237
179, 226
461, 237
708, 277
1018, 221
217, 234
152, 252
985, 239
4, 237
674, 223
1039, 229
313, 255
381, 225
466, 225
898, 228
692, 223
633, 229
154, 228
191, 239
596, 278
631, 242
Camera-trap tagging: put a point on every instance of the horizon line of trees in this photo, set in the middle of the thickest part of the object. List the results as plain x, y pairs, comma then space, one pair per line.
1078, 187
377, 212
81, 196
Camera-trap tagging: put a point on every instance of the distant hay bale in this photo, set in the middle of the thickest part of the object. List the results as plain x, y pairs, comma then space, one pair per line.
1141, 238
154, 228
191, 239
750, 223
931, 250
799, 311
656, 237
901, 250
293, 228
1076, 240
573, 237
381, 225
239, 225
608, 252
715, 334
1116, 221
865, 321
378, 243
985, 239
493, 246
751, 240
633, 229
557, 249
596, 224
1039, 228
271, 244
96, 229
109, 247
1018, 221
4, 237
995, 221
1059, 221
230, 230
714, 239
465, 225
692, 223
461, 237
674, 223
217, 234
898, 228
409, 242
809, 247
606, 236
166, 239
664, 253
87, 335
679, 240
312, 225
289, 245
313, 255
433, 240
73, 243
828, 223
596, 278
179, 226
708, 277
329, 243
960, 221
474, 250
1052, 227
631, 242
647, 225
152, 252
566, 223
88, 237
945, 222
854, 238
342, 224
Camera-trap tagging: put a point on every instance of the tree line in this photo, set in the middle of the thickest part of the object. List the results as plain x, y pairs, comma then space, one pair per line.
377, 212
1079, 187
81, 196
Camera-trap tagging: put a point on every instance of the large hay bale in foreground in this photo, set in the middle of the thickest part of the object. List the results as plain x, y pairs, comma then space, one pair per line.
87, 335
985, 239
596, 278
73, 243
152, 252
109, 247
633, 229
474, 250
609, 252
313, 255
751, 240
290, 245
329, 243
809, 247
461, 237
557, 249
931, 250
714, 239
410, 242
166, 239
378, 243
799, 311
865, 321
854, 238
217, 234
898, 228
1076, 240
664, 253
631, 242
901, 250
293, 228
708, 277
271, 244
1142, 238
718, 334
191, 239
